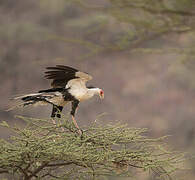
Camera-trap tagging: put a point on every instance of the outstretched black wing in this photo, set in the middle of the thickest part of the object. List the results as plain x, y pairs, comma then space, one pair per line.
61, 75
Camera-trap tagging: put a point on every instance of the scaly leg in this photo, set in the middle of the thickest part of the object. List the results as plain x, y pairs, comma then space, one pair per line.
53, 121
74, 108
76, 125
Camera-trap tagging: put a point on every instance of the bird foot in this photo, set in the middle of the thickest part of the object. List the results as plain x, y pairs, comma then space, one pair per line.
55, 124
79, 132
53, 121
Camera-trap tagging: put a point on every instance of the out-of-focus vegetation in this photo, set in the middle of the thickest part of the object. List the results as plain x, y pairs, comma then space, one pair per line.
141, 52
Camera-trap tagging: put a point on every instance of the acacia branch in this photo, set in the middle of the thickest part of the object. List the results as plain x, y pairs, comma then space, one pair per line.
157, 10
3, 171
36, 171
59, 164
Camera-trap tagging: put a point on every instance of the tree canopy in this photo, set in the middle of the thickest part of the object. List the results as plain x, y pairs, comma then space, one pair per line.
41, 150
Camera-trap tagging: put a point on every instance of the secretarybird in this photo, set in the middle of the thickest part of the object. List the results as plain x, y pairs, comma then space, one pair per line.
68, 85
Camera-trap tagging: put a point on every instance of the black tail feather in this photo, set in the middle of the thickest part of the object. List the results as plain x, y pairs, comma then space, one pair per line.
28, 98
51, 90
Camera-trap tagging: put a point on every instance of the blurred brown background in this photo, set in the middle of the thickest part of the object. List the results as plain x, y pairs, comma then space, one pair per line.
140, 52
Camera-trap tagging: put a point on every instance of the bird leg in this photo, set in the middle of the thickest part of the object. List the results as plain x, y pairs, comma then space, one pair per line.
75, 104
76, 125
53, 114
56, 113
53, 121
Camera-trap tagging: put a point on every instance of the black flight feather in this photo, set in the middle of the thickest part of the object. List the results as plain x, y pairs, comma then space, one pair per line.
60, 75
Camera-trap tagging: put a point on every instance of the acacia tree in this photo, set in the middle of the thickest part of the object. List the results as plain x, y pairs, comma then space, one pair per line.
137, 21
42, 150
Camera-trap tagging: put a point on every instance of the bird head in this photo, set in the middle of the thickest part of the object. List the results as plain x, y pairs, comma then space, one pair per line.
95, 91
101, 94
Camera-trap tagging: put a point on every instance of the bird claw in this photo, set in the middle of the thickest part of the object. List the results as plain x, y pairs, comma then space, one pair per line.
80, 132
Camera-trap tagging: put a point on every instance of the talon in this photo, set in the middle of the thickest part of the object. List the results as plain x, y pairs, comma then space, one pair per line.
53, 121
80, 132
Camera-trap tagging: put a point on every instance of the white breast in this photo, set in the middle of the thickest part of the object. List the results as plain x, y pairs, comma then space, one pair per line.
78, 89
